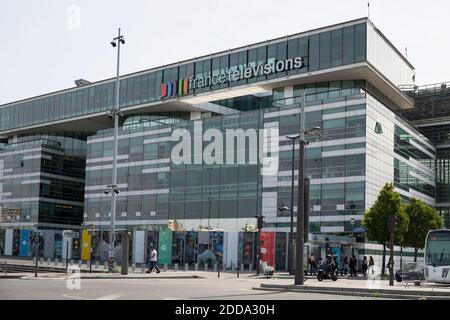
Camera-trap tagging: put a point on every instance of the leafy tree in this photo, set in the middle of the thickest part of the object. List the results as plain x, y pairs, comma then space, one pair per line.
376, 219
422, 218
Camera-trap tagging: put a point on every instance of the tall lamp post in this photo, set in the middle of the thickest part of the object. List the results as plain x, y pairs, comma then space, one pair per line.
112, 188
299, 250
291, 231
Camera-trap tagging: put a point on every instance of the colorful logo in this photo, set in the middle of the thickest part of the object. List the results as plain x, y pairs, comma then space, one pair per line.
170, 89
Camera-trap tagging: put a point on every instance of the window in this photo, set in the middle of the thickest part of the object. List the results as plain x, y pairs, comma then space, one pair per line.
360, 42
314, 42
336, 48
325, 50
349, 45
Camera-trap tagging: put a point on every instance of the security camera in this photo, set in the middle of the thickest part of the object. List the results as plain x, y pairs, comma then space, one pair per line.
116, 191
123, 41
106, 192
113, 44
120, 114
110, 115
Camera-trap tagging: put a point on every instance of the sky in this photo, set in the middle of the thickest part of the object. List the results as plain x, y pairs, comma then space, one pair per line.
45, 45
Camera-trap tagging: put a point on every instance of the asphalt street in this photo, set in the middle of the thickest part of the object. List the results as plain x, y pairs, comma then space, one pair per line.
150, 289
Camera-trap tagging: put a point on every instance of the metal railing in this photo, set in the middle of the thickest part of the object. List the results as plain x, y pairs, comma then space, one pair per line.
425, 89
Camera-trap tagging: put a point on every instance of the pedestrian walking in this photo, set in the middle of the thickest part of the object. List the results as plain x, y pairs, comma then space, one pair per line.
313, 264
371, 265
352, 266
344, 265
153, 261
365, 265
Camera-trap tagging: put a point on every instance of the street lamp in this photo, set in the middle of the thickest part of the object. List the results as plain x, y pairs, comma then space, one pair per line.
112, 188
291, 231
284, 208
299, 270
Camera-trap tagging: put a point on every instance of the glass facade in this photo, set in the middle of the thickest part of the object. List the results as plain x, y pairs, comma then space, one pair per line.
320, 51
227, 197
41, 184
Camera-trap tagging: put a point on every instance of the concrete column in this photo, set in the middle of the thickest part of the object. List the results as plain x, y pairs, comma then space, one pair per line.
196, 115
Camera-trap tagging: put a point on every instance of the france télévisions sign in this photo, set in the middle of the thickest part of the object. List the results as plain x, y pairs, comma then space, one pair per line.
183, 86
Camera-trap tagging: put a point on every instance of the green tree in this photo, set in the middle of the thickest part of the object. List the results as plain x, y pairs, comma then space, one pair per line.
376, 219
422, 218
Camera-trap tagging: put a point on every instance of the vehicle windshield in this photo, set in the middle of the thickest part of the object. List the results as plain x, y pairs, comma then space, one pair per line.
437, 251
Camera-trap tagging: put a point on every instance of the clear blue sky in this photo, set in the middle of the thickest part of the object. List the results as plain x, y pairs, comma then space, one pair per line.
47, 44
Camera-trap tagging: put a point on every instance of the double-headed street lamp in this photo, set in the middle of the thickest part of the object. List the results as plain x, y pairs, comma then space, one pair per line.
299, 250
113, 188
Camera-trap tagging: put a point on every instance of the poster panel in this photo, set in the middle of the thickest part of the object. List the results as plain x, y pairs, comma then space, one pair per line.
165, 247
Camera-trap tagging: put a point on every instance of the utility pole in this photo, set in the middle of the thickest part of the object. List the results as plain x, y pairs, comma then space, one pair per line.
113, 189
291, 230
299, 268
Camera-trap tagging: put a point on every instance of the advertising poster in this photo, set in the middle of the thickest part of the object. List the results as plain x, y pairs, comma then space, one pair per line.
85, 245
24, 233
268, 248
165, 247
8, 242
139, 246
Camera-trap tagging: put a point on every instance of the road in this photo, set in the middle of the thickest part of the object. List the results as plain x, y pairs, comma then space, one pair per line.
150, 289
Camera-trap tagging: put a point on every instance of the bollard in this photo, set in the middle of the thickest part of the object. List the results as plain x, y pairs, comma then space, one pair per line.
114, 266
34, 260
105, 266
133, 267
143, 267
96, 265
186, 267
206, 267
215, 267
56, 262
250, 267
165, 267
49, 261
242, 266
196, 267
6, 268
232, 266
41, 261
80, 264
176, 267
71, 261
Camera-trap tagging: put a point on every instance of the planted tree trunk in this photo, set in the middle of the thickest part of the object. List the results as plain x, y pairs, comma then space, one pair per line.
383, 263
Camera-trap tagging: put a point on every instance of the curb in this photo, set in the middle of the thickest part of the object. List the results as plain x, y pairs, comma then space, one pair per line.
30, 277
11, 277
360, 294
381, 293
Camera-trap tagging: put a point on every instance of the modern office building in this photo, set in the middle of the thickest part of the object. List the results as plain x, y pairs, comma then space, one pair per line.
355, 85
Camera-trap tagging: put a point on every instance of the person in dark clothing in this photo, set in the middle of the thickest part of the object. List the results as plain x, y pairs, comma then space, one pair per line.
344, 266
371, 265
365, 265
352, 266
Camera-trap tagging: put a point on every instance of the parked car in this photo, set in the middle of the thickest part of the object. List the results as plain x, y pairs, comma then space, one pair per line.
411, 272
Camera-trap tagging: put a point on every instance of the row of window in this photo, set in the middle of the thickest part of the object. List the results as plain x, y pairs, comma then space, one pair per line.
328, 49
